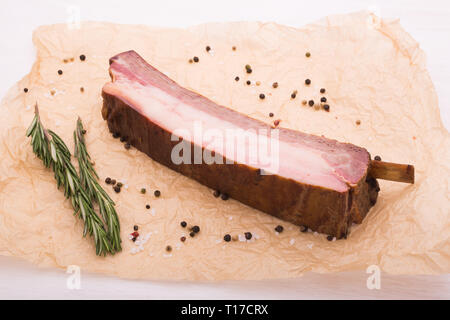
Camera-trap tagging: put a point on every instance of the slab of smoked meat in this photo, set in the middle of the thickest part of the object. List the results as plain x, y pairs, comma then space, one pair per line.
320, 183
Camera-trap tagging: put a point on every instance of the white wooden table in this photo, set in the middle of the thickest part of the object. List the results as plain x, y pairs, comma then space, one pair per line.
428, 22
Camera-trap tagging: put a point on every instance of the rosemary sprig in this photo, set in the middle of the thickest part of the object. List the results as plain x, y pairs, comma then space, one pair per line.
52, 150
89, 177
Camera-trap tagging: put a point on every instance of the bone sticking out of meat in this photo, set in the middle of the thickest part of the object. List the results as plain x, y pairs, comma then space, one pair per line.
392, 171
319, 183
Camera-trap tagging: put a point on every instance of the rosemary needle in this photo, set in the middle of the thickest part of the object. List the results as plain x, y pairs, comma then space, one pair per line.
52, 150
89, 177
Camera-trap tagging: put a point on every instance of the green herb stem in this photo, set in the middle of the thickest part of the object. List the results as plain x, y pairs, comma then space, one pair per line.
52, 150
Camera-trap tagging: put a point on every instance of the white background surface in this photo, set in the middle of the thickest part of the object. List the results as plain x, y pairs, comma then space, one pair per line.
427, 21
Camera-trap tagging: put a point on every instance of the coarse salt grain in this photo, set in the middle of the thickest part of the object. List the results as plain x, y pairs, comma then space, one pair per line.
167, 255
242, 238
152, 212
292, 242
310, 245
27, 107
230, 218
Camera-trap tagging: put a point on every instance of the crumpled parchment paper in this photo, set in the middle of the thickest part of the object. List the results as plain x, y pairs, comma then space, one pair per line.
373, 71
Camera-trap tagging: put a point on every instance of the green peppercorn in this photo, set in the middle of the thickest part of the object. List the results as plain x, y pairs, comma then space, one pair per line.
143, 190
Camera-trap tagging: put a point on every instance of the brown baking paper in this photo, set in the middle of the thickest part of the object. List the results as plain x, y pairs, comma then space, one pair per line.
373, 71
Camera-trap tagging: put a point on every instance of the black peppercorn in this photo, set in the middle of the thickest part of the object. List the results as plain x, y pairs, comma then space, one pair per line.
322, 90
168, 248
82, 57
216, 193
123, 139
262, 96
330, 238
208, 48
311, 103
192, 234
157, 193
275, 85
183, 239
127, 146
117, 189
25, 90
183, 224
303, 228
147, 206
113, 181
236, 79
276, 122
227, 238
119, 184
116, 135
195, 229
271, 114
224, 196
108, 180
293, 95
378, 158
83, 131
196, 59
249, 82
279, 229
60, 72
323, 99
248, 235
326, 107
307, 81
135, 228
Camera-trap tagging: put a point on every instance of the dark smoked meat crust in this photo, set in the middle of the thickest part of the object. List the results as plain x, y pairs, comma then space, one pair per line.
320, 209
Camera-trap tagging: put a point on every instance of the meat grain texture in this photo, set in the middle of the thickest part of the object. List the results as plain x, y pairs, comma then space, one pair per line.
406, 232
